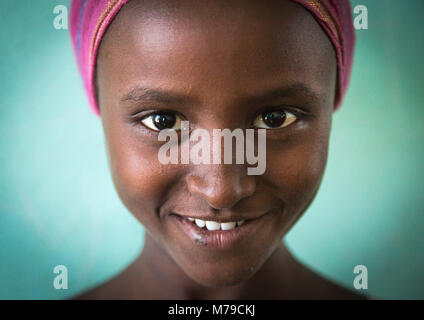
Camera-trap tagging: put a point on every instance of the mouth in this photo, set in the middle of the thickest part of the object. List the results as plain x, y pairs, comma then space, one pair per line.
216, 225
218, 234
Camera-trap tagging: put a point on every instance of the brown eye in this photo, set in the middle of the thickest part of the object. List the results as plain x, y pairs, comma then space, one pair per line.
162, 120
274, 119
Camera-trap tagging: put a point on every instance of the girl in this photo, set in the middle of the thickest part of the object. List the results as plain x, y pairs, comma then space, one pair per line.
212, 230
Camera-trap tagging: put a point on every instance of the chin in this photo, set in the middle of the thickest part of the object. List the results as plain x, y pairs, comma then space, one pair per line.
218, 274
220, 279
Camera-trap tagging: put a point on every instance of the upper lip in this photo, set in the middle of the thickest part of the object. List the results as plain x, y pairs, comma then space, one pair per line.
221, 218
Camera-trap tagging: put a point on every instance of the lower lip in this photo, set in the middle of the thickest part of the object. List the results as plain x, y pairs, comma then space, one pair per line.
219, 239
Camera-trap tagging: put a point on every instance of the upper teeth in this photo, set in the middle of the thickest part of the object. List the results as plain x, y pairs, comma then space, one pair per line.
213, 225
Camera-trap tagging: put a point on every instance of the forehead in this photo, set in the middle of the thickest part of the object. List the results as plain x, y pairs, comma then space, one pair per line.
235, 47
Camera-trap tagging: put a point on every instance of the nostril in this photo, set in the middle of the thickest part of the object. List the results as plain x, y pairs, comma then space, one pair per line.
222, 191
220, 200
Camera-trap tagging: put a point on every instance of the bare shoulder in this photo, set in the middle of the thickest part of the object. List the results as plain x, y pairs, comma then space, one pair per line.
318, 286
332, 291
109, 290
117, 288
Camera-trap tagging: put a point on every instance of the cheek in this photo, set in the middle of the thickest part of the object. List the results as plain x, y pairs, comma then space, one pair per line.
295, 169
140, 180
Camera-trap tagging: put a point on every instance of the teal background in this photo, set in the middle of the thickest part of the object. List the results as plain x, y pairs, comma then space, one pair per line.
58, 204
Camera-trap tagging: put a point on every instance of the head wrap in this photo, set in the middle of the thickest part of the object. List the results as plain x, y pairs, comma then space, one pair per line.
89, 20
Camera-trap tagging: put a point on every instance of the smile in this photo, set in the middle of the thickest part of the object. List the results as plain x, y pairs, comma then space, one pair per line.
214, 225
219, 235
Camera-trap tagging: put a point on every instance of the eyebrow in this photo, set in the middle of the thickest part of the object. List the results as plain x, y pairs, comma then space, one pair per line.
292, 90
139, 94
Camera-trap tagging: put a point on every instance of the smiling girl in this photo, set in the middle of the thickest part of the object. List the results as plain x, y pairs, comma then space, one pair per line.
212, 230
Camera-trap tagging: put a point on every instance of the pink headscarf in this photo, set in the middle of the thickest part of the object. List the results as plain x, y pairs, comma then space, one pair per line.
89, 20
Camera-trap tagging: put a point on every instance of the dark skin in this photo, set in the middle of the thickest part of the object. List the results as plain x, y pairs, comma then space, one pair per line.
217, 64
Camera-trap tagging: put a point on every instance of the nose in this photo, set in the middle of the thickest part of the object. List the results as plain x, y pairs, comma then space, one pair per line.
221, 185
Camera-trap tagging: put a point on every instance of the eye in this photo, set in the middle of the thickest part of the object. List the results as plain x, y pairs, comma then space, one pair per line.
274, 119
162, 120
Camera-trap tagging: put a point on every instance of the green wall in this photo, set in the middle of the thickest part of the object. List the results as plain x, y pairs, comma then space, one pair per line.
58, 204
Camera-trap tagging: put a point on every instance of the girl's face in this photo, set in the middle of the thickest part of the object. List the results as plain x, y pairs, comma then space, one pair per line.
218, 64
